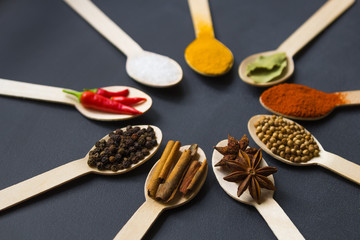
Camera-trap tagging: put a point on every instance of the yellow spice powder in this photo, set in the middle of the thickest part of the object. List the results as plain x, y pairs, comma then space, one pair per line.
208, 56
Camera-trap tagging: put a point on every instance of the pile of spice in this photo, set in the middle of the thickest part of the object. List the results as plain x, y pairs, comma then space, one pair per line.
174, 173
286, 139
300, 101
209, 56
123, 148
243, 162
266, 68
106, 101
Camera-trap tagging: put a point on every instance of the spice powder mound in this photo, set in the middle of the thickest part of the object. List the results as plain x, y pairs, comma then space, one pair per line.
300, 101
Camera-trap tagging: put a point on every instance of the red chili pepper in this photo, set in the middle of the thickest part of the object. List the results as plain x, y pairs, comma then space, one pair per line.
127, 100
108, 94
95, 101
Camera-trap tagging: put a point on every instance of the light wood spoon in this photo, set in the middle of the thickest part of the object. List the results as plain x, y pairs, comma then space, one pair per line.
55, 94
43, 182
270, 210
330, 11
146, 215
201, 17
148, 68
326, 159
350, 98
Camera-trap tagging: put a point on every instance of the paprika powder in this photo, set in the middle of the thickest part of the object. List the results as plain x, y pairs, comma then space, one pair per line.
300, 101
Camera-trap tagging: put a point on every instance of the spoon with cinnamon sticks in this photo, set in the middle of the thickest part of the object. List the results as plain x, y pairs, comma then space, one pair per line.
170, 189
270, 210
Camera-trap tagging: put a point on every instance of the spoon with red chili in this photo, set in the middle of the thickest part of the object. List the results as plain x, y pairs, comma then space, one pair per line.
300, 102
326, 159
56, 94
43, 182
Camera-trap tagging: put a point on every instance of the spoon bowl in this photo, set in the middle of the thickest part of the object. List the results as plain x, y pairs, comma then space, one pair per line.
287, 72
197, 46
328, 160
145, 216
43, 182
104, 116
153, 69
273, 214
231, 187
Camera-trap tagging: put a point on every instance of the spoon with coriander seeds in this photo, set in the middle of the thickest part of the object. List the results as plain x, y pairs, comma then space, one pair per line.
111, 155
292, 144
181, 160
242, 179
272, 67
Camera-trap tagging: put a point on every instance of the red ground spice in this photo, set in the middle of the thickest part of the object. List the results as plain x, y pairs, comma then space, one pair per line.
300, 101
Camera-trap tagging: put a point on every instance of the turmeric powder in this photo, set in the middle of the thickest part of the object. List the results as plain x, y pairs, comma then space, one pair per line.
208, 56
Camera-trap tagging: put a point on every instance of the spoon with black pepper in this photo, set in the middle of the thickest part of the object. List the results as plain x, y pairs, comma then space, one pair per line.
327, 14
41, 183
325, 159
145, 216
270, 210
55, 94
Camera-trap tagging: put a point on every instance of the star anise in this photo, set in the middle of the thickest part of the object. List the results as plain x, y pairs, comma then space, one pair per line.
231, 151
249, 174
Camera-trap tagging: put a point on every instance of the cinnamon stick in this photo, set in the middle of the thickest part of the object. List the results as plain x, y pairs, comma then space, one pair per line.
198, 174
155, 180
166, 189
190, 173
169, 161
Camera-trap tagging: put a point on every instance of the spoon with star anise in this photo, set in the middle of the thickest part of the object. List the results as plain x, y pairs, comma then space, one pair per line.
251, 175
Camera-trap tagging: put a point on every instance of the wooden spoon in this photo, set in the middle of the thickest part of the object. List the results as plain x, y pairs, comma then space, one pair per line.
148, 68
201, 17
350, 98
55, 94
326, 159
330, 11
41, 183
274, 215
146, 215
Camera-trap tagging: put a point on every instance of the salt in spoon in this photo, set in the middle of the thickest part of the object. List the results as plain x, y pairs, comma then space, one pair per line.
201, 17
145, 67
349, 97
146, 215
43, 182
326, 159
330, 11
270, 210
55, 94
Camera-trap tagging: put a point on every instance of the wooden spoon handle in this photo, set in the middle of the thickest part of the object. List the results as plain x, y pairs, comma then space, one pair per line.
105, 26
42, 183
201, 17
141, 221
351, 97
34, 91
330, 11
278, 221
340, 166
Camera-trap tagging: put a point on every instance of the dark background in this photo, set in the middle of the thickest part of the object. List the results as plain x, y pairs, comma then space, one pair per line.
46, 42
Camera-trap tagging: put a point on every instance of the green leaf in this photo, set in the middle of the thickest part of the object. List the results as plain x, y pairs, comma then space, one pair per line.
267, 68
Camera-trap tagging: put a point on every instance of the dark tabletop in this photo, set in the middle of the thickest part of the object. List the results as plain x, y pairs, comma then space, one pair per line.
46, 42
